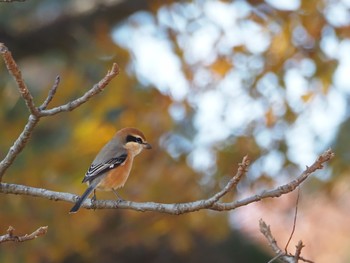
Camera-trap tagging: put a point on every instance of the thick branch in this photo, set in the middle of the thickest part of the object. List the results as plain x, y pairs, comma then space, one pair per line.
178, 208
11, 237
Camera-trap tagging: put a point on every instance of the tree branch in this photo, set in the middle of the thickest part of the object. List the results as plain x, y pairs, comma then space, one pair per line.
96, 89
266, 231
280, 190
298, 249
280, 254
11, 237
17, 75
37, 113
51, 94
18, 145
294, 221
211, 203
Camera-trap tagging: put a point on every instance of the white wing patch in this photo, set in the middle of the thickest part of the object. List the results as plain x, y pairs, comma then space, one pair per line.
97, 169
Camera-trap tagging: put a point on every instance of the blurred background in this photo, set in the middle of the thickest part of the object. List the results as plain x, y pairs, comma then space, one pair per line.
207, 82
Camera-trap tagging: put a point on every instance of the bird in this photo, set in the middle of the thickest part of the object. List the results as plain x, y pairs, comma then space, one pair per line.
112, 165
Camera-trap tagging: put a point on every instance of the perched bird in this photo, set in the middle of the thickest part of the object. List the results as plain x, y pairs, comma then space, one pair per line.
111, 167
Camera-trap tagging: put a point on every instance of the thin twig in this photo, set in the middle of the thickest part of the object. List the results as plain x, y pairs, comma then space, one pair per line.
298, 249
275, 258
11, 237
97, 88
266, 231
306, 260
51, 94
280, 254
242, 169
294, 221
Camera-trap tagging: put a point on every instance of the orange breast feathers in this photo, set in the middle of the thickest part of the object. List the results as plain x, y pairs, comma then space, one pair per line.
117, 177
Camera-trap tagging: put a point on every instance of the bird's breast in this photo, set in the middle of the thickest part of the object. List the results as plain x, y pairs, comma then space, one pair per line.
116, 177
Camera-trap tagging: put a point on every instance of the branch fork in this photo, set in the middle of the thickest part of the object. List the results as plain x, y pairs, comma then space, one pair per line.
36, 113
284, 256
10, 236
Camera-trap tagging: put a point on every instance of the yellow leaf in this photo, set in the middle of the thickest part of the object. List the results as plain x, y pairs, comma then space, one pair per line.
221, 66
281, 46
307, 96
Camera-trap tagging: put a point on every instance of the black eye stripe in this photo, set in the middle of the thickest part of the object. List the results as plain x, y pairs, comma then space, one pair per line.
131, 138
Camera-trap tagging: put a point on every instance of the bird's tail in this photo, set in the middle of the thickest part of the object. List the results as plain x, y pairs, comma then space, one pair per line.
80, 201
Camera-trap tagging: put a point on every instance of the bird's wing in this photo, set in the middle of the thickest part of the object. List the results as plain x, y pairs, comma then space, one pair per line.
97, 169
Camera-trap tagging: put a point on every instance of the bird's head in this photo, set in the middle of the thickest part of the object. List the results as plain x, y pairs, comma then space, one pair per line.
134, 140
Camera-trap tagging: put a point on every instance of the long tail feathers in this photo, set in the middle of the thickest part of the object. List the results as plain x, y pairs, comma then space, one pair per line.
78, 204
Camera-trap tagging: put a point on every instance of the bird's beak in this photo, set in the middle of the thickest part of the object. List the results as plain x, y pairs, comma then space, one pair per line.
147, 146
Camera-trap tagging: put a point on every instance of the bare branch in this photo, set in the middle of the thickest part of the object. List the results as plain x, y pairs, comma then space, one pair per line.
11, 237
266, 231
18, 145
37, 113
177, 208
16, 73
242, 169
280, 254
97, 88
281, 190
298, 249
51, 94
294, 220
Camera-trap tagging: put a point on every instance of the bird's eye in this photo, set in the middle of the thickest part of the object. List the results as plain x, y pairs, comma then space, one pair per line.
131, 138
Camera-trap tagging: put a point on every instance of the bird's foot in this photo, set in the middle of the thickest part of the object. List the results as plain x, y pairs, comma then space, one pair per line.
119, 200
93, 201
